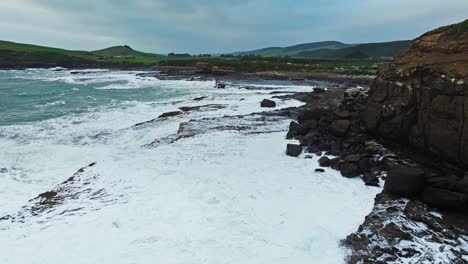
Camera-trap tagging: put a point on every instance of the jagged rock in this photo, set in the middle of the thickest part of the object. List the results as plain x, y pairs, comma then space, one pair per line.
324, 161
340, 128
293, 150
170, 114
405, 181
268, 103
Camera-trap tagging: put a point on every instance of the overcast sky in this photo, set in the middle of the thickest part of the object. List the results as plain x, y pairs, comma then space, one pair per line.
213, 26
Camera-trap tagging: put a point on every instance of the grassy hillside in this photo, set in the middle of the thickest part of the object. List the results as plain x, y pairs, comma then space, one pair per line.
292, 51
25, 55
362, 51
335, 50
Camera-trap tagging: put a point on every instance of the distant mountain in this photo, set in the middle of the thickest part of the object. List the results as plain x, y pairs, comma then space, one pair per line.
335, 50
293, 50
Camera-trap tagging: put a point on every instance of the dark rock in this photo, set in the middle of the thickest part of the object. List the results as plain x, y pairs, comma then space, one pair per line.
319, 170
324, 161
310, 114
293, 150
319, 90
292, 130
268, 103
370, 179
221, 85
304, 128
444, 199
353, 158
340, 128
363, 164
200, 98
349, 170
48, 195
170, 114
334, 162
405, 181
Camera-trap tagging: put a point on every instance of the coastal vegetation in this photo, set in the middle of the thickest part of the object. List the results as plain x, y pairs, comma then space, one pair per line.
16, 55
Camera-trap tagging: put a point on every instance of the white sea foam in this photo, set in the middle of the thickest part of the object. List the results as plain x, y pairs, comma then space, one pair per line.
218, 197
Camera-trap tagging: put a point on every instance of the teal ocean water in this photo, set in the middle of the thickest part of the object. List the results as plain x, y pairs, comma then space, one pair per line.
40, 94
192, 188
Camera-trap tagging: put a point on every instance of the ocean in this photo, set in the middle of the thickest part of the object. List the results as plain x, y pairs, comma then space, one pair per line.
221, 190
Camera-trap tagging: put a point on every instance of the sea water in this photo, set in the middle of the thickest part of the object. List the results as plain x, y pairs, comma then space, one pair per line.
222, 195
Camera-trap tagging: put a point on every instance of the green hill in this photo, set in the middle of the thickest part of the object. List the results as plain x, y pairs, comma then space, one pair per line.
361, 51
334, 50
123, 51
294, 50
18, 55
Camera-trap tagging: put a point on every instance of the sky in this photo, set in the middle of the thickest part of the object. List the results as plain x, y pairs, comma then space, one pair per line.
219, 26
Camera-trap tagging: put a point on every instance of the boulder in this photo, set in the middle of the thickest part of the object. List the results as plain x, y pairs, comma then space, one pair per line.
370, 179
324, 161
220, 85
349, 170
268, 103
444, 199
293, 150
292, 130
340, 128
404, 181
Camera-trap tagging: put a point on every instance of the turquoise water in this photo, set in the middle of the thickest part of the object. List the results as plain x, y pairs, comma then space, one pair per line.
36, 95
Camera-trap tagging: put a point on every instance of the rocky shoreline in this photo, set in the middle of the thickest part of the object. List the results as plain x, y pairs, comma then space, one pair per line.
407, 129
331, 125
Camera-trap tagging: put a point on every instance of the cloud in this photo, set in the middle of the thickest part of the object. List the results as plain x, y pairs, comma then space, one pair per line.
219, 25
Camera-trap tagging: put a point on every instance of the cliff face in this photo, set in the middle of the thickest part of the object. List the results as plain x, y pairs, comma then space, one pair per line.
422, 97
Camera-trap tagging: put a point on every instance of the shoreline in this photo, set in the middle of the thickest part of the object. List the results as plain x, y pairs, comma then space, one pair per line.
329, 125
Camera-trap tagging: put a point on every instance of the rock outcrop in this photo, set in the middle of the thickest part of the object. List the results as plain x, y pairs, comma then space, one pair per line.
421, 99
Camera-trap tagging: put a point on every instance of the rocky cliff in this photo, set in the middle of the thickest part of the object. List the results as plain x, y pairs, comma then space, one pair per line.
422, 98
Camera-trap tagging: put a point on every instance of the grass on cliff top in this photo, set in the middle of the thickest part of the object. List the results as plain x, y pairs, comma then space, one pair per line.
460, 27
